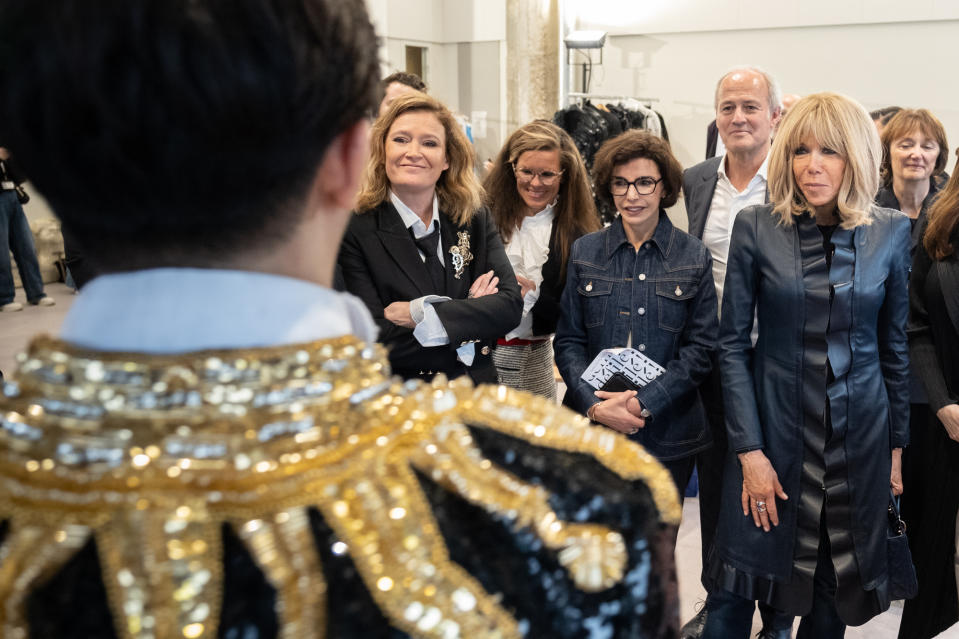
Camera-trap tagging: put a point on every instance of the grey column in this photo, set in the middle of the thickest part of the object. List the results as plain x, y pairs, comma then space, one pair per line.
532, 54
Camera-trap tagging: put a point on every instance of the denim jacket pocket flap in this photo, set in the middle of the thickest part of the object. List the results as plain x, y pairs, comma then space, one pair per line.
592, 287
677, 290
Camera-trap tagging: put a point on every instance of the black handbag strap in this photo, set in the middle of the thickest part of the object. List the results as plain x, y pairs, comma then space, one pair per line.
896, 525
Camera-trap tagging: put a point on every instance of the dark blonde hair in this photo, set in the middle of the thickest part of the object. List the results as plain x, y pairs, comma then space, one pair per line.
629, 146
575, 213
457, 188
843, 125
943, 218
903, 123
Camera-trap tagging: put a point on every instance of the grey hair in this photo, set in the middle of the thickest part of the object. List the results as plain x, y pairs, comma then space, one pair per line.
775, 94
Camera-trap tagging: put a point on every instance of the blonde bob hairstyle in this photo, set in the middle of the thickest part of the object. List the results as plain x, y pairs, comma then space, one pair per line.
838, 123
457, 189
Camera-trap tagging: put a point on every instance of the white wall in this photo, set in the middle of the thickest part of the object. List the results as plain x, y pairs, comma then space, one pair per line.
679, 48
465, 43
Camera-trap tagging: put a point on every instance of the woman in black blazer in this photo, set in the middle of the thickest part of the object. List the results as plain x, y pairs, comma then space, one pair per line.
538, 193
422, 254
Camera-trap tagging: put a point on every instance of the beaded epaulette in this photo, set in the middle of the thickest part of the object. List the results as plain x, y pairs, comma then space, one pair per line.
152, 454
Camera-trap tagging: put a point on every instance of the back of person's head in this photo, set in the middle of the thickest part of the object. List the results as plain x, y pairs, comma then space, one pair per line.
177, 132
906, 122
402, 77
843, 125
457, 189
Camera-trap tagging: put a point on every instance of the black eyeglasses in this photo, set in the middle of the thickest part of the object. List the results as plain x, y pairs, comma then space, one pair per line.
644, 185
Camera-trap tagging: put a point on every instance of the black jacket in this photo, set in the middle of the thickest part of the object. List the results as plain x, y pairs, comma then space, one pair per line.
382, 265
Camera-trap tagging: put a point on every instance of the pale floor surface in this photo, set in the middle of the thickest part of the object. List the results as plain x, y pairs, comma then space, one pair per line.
17, 328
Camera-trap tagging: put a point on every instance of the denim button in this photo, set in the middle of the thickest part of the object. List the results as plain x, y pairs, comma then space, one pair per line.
641, 310
641, 347
642, 276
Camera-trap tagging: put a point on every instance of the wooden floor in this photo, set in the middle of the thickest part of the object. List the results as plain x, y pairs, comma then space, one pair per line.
17, 328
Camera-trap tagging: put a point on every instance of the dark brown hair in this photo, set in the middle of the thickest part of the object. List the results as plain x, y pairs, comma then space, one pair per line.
629, 146
575, 212
409, 79
943, 219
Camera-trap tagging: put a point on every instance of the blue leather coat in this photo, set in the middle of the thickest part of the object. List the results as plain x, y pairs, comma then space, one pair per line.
763, 385
662, 300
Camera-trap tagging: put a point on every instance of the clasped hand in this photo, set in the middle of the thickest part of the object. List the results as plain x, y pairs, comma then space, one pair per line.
620, 411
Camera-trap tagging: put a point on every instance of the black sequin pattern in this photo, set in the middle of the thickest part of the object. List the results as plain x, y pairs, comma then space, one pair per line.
510, 563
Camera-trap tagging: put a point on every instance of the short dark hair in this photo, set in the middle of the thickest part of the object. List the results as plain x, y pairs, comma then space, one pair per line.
177, 132
409, 79
629, 146
884, 114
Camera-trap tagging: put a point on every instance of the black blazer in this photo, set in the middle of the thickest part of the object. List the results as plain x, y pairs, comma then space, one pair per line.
381, 265
699, 183
546, 309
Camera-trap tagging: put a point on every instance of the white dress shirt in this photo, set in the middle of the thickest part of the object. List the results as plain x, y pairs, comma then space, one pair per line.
429, 329
178, 310
528, 250
726, 204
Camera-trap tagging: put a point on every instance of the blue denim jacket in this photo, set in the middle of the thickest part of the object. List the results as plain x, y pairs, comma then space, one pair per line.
664, 295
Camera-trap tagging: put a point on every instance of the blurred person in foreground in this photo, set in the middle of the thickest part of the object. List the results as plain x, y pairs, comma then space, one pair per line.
817, 409
213, 445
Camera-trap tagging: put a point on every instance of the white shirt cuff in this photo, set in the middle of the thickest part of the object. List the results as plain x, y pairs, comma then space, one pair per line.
429, 329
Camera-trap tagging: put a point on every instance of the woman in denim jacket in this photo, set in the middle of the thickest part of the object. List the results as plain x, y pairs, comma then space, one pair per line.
641, 283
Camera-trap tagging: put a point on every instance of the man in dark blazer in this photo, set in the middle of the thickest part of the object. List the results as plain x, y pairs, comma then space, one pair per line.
381, 265
748, 107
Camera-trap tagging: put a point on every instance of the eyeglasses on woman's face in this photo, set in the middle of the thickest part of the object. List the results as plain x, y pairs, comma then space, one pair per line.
644, 185
526, 175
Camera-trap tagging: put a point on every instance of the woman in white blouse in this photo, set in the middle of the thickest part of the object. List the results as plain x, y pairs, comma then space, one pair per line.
539, 196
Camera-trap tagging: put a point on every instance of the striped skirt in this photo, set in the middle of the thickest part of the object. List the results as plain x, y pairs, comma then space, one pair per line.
527, 367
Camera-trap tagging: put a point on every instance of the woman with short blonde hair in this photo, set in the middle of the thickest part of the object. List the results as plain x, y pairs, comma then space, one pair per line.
817, 408
843, 126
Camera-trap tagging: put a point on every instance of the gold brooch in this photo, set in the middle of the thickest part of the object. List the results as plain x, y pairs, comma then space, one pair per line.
461, 253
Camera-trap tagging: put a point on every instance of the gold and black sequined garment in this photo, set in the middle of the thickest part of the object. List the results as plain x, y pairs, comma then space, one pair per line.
300, 491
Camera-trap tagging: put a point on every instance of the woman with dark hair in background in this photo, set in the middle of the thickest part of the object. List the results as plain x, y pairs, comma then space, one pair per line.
914, 154
422, 253
817, 408
934, 348
641, 283
539, 196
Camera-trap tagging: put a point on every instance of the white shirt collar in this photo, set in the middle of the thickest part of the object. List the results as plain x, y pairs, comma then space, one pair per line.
762, 172
175, 310
410, 218
542, 216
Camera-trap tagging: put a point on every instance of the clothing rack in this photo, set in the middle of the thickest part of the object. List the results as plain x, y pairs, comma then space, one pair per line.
596, 96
